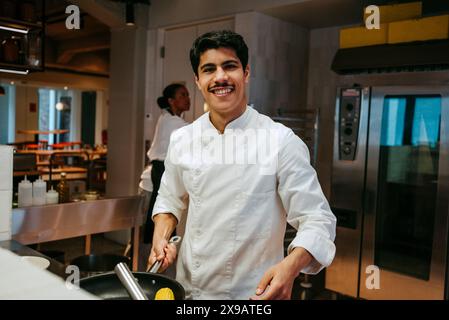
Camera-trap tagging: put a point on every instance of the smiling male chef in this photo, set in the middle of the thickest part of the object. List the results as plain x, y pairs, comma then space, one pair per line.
239, 196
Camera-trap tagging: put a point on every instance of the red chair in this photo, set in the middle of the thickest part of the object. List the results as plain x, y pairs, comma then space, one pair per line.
59, 146
31, 146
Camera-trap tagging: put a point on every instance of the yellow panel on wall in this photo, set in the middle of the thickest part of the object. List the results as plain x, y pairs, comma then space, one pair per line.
398, 12
361, 36
431, 28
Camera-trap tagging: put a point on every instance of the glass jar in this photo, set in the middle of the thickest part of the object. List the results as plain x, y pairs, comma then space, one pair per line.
34, 48
63, 189
91, 195
11, 49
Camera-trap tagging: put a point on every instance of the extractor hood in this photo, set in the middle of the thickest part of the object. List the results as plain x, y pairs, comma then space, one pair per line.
416, 56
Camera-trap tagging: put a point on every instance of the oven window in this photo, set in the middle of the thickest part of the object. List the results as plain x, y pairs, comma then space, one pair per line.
408, 175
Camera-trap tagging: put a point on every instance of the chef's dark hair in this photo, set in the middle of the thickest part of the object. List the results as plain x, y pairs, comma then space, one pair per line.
215, 40
169, 92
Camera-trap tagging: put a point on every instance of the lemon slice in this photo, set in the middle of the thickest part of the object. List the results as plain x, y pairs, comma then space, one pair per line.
164, 294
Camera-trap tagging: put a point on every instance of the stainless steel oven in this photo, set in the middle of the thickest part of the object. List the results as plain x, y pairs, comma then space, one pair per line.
390, 192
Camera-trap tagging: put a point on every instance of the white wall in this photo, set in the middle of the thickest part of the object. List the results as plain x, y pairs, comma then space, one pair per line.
26, 120
278, 60
164, 13
322, 86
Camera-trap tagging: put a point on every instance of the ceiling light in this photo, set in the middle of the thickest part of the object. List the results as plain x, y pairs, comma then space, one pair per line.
129, 14
25, 31
66, 88
59, 106
12, 83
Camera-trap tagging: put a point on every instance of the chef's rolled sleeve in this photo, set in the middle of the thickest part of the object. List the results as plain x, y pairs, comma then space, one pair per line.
307, 208
172, 193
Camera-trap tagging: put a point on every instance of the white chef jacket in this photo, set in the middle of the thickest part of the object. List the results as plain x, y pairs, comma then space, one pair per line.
166, 124
237, 215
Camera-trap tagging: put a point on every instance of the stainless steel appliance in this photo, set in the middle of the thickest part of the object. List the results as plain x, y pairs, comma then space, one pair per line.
390, 192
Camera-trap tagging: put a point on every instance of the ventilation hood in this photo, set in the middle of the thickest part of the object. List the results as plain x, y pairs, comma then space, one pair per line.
416, 56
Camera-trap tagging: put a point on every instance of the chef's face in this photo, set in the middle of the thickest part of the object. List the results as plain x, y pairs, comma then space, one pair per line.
221, 79
181, 101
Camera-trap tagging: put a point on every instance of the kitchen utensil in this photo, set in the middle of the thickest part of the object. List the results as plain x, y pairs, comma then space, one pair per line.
39, 262
155, 267
108, 286
129, 282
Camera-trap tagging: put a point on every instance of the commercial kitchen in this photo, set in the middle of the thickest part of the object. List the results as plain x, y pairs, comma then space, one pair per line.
365, 85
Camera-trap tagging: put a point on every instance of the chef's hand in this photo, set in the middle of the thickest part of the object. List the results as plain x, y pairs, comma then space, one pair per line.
162, 250
277, 282
164, 224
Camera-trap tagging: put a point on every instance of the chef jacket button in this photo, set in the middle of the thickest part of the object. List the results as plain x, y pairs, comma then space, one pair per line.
197, 264
197, 172
198, 232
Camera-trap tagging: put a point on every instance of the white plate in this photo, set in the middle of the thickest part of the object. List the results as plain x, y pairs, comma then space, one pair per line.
37, 261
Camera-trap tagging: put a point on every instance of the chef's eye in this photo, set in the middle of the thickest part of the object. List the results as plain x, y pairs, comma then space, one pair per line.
208, 69
230, 66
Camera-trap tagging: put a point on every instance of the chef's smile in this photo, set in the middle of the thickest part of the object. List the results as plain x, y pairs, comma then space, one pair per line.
222, 90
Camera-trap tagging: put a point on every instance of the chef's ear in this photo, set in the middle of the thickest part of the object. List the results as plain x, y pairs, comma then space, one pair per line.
247, 73
197, 81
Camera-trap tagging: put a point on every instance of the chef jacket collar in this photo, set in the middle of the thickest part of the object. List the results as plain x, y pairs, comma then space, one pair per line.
239, 123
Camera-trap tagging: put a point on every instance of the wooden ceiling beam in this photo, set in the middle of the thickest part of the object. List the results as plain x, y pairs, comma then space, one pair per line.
69, 48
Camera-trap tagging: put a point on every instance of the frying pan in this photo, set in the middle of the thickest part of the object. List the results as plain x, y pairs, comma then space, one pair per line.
108, 286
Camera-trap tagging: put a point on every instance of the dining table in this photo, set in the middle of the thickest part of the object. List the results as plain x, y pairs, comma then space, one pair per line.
36, 133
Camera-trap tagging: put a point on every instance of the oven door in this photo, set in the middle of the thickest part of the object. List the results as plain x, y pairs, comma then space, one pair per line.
406, 201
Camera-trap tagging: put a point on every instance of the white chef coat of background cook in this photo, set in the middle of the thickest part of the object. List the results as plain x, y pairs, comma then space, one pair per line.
166, 124
237, 216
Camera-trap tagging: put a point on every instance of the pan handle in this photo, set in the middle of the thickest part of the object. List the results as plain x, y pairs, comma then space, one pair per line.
129, 282
176, 240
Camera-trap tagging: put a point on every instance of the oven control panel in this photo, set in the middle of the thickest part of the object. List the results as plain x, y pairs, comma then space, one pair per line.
349, 116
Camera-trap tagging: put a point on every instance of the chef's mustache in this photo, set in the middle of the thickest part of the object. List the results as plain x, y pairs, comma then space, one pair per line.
220, 85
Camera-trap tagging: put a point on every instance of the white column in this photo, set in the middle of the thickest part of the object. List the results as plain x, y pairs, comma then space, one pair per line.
127, 94
6, 156
11, 92
75, 117
52, 116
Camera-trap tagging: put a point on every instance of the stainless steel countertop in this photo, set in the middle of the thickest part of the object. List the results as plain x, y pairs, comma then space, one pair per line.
55, 222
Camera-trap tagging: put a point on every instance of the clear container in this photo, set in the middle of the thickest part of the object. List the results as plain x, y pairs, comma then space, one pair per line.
51, 197
39, 192
25, 193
